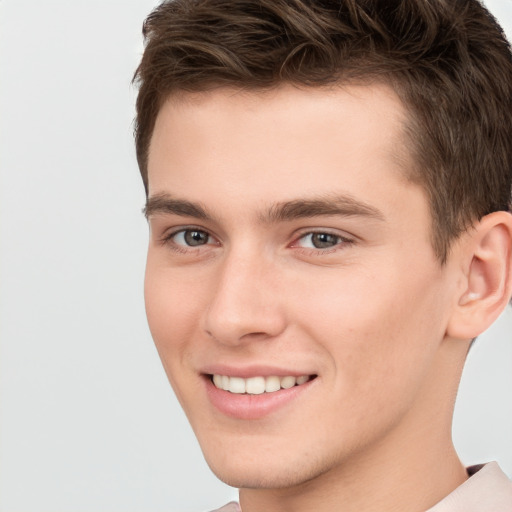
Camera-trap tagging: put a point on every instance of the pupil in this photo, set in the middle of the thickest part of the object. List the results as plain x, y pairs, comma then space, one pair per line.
196, 237
323, 240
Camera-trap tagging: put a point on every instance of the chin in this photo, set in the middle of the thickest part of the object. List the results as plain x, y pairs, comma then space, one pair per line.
266, 472
252, 478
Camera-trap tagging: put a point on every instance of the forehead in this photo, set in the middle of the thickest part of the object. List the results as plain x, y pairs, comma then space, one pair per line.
279, 144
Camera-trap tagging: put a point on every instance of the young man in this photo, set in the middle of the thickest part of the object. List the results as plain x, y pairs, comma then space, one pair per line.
329, 194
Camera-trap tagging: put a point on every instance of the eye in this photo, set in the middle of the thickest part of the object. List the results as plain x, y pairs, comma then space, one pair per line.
320, 240
191, 237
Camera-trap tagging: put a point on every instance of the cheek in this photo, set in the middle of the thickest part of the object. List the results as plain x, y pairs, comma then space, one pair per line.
376, 330
171, 310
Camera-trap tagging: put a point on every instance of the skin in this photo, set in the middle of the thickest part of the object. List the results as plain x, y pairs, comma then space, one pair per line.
369, 315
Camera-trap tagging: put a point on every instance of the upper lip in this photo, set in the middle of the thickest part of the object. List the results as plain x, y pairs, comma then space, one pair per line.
249, 371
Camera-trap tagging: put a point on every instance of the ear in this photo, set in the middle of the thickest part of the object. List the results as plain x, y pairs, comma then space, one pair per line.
487, 283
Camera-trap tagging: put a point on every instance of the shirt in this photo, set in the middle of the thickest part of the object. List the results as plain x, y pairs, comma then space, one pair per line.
487, 490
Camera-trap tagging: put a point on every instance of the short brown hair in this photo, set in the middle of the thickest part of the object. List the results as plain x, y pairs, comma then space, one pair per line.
448, 60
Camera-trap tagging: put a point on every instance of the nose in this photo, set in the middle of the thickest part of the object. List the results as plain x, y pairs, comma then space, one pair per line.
246, 301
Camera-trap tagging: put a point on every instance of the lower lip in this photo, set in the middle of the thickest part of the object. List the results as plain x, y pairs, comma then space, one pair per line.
252, 407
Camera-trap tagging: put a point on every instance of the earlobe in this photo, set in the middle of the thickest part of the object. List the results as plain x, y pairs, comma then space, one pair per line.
488, 276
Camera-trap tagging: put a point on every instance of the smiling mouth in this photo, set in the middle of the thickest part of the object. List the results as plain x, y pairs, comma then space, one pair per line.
258, 385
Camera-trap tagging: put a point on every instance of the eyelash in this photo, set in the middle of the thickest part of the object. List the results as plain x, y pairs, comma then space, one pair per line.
168, 241
187, 249
340, 241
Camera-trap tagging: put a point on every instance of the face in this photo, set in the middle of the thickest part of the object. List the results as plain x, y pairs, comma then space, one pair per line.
291, 287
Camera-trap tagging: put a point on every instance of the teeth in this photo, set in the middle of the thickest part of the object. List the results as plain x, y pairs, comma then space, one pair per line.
257, 385
236, 385
302, 380
288, 382
217, 380
272, 384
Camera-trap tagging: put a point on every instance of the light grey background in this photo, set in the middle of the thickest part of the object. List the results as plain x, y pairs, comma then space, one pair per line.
88, 421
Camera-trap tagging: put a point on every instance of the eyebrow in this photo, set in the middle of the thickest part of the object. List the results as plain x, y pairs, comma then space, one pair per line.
329, 205
342, 205
165, 204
